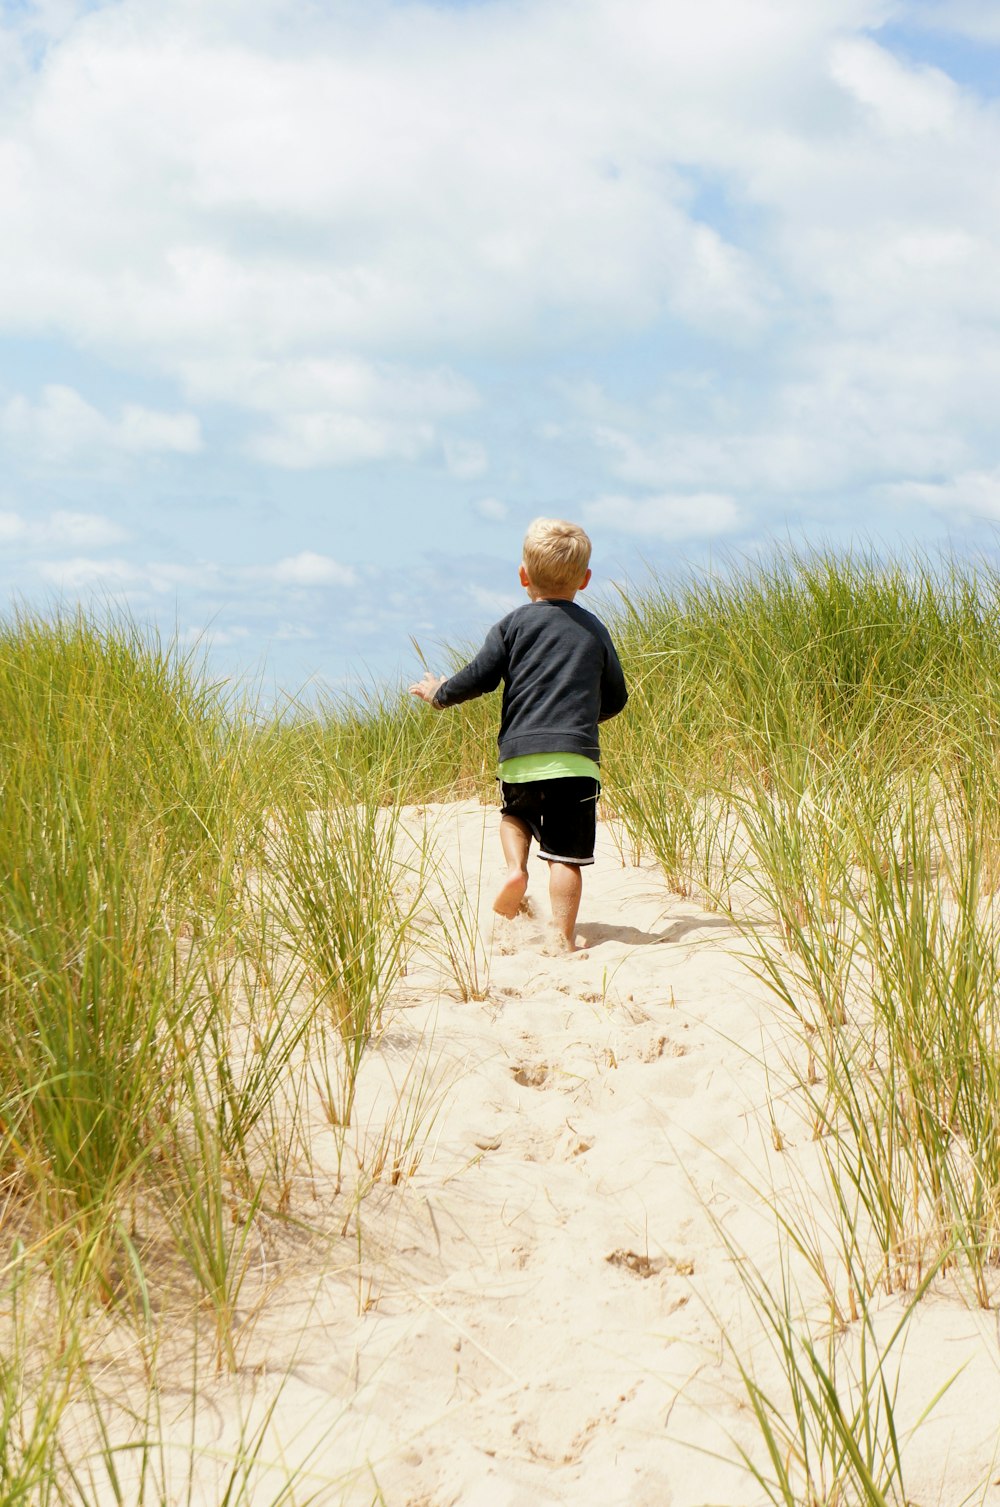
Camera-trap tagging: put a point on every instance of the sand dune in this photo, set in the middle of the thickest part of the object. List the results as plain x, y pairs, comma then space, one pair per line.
542, 1304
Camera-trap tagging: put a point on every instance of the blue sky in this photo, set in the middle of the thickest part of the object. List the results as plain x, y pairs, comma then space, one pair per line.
307, 307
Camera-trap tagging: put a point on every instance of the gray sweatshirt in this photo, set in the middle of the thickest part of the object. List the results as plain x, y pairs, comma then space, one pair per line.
561, 677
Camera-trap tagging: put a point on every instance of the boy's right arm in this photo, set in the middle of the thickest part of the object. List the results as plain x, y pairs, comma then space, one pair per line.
480, 675
428, 688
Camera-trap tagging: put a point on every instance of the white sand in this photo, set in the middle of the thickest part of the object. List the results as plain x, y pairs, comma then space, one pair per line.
542, 1301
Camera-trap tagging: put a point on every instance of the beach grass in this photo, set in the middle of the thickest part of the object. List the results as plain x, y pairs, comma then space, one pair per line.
206, 908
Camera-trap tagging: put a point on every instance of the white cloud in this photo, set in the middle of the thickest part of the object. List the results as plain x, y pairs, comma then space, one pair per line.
62, 529
308, 569
80, 531
213, 638
697, 515
293, 633
83, 573
905, 101
175, 185
338, 384
63, 428
304, 440
847, 413
493, 509
319, 215
466, 460
159, 578
378, 179
975, 493
496, 603
332, 410
12, 527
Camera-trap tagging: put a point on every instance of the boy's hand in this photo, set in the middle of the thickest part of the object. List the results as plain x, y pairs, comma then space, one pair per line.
428, 688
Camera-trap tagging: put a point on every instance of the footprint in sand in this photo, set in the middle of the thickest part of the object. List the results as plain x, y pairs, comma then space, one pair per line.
644, 1265
531, 1077
506, 941
662, 1046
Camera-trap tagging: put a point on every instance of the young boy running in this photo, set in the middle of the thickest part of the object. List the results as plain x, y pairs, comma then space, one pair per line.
561, 677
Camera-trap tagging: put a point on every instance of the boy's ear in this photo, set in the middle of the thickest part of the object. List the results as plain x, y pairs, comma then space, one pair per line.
586, 580
523, 577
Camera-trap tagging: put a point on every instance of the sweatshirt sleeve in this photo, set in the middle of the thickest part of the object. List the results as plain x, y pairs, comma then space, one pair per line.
480, 675
614, 692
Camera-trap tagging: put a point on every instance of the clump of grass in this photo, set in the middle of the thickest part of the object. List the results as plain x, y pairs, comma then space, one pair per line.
335, 852
154, 1033
837, 716
34, 1391
825, 1404
112, 818
453, 901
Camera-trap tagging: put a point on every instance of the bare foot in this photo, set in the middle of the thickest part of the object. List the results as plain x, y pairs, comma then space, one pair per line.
558, 942
511, 894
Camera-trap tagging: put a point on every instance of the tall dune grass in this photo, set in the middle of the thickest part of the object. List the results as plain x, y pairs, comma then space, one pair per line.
840, 715
159, 996
203, 915
835, 720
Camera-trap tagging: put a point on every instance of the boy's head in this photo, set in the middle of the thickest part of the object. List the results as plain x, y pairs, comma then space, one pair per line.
556, 557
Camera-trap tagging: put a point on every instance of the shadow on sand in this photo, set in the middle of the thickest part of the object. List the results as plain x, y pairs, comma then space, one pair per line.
596, 932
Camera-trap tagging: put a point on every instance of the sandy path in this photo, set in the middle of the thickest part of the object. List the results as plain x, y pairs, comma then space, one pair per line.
542, 1301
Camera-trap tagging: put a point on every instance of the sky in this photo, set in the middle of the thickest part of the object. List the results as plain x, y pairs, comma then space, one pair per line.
308, 307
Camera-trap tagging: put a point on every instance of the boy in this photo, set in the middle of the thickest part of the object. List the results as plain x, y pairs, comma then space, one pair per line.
561, 677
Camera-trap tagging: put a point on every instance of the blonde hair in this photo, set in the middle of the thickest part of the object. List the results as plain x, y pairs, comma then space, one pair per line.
556, 554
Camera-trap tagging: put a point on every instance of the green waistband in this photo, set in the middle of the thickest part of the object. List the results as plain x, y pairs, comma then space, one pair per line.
548, 766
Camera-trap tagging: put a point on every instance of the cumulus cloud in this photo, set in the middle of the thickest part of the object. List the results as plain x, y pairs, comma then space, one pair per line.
286, 208
845, 414
331, 383
377, 181
63, 428
466, 460
494, 603
174, 184
696, 515
493, 509
66, 530
701, 262
213, 638
974, 493
291, 633
302, 571
308, 569
79, 530
84, 573
301, 441
332, 410
905, 101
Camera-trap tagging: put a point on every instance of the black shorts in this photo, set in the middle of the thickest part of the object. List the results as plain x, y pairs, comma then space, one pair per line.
561, 815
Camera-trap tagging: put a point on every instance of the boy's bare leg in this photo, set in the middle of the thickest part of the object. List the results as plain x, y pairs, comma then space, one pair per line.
565, 889
515, 839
